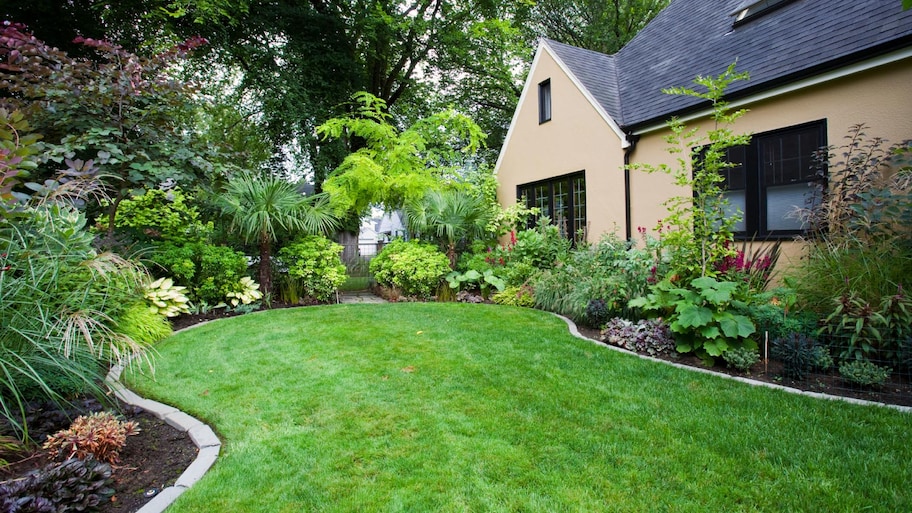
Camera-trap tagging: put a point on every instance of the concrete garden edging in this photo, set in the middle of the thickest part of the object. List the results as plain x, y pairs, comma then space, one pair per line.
202, 436
575, 332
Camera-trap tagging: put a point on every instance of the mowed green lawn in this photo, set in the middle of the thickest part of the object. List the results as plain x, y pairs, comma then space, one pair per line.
455, 407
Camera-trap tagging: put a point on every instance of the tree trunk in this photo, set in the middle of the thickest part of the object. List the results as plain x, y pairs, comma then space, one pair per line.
265, 266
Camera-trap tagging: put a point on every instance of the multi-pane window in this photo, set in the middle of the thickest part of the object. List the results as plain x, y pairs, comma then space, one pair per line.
771, 177
562, 199
544, 101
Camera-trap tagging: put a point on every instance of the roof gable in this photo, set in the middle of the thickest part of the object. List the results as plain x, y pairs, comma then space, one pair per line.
800, 39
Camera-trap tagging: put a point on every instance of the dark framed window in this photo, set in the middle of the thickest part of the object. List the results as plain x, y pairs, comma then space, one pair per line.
544, 101
563, 199
772, 176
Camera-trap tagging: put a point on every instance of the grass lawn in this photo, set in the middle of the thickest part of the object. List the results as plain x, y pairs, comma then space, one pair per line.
455, 407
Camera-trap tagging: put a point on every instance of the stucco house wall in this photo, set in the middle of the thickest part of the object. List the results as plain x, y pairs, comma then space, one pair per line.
577, 138
855, 69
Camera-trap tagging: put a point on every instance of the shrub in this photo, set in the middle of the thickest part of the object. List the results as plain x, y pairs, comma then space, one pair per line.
209, 272
649, 336
864, 373
610, 270
741, 358
100, 435
705, 315
596, 313
515, 296
314, 267
860, 218
143, 324
798, 354
158, 214
413, 267
74, 485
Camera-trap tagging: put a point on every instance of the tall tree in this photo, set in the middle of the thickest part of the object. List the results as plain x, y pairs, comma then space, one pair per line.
600, 25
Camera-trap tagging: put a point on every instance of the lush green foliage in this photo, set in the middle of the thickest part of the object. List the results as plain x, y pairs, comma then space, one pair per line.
859, 220
452, 217
472, 279
414, 268
160, 215
59, 300
165, 298
314, 267
611, 270
515, 296
741, 358
262, 208
705, 316
393, 169
143, 324
697, 233
864, 373
452, 406
209, 272
648, 336
74, 485
862, 330
100, 435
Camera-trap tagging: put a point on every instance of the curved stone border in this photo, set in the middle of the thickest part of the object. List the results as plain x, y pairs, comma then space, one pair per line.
202, 436
575, 332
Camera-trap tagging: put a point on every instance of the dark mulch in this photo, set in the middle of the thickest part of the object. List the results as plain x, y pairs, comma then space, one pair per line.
150, 461
898, 390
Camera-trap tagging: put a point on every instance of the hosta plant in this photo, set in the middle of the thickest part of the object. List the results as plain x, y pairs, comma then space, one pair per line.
100, 435
247, 292
165, 298
705, 315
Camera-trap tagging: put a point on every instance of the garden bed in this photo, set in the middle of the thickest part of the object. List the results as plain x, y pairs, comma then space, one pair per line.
150, 461
896, 390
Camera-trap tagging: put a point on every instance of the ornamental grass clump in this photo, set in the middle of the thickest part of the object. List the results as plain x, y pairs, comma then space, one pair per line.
100, 435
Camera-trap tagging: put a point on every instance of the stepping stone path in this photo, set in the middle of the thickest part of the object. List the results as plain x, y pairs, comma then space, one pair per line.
361, 296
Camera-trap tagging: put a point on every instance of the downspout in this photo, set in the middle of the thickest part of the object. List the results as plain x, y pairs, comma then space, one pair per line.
630, 141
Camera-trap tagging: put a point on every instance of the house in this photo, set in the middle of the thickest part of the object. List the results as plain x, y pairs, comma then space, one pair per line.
816, 68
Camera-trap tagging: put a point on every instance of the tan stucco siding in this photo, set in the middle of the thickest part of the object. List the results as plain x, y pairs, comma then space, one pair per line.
878, 98
576, 139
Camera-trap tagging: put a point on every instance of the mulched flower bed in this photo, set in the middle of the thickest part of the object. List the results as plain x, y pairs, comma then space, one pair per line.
897, 390
150, 461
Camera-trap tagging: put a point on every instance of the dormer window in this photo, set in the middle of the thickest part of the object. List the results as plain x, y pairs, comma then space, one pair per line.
544, 101
755, 9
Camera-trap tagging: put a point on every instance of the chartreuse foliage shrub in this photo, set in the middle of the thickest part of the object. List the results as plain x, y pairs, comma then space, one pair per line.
209, 272
515, 296
313, 267
414, 268
160, 215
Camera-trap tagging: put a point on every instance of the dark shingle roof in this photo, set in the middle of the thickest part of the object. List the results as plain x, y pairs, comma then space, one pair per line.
697, 37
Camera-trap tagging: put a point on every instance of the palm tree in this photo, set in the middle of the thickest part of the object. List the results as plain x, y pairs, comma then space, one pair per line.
263, 207
449, 217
